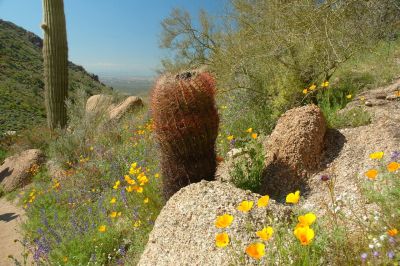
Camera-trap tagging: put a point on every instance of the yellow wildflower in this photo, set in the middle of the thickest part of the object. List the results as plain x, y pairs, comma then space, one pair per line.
293, 197
113, 214
266, 233
230, 137
348, 96
117, 183
137, 223
305, 234
393, 166
143, 179
113, 200
371, 174
376, 155
254, 135
245, 206
249, 130
224, 221
392, 232
129, 180
102, 228
307, 219
313, 87
221, 240
325, 84
138, 189
256, 250
305, 91
157, 175
146, 200
263, 201
32, 199
129, 188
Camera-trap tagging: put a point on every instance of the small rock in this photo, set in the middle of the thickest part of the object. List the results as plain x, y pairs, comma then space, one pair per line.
391, 97
102, 103
380, 96
368, 103
17, 170
97, 103
128, 105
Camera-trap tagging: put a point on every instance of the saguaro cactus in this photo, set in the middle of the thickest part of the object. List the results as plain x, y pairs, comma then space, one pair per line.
55, 57
186, 126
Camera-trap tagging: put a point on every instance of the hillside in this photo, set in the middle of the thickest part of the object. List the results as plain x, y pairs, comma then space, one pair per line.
21, 82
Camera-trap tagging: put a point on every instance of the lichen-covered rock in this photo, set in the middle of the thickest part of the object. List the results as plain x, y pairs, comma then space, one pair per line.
184, 232
100, 102
17, 170
128, 105
103, 104
293, 150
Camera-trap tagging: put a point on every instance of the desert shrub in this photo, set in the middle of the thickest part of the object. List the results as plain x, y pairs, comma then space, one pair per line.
82, 127
268, 52
247, 169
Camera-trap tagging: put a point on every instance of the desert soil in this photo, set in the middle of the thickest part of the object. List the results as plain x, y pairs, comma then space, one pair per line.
11, 217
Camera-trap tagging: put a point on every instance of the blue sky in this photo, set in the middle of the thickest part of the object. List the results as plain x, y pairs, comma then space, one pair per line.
117, 37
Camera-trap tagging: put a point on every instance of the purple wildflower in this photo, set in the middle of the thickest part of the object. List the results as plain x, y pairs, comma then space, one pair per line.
122, 251
375, 253
364, 256
325, 178
395, 156
232, 143
392, 240
123, 195
390, 254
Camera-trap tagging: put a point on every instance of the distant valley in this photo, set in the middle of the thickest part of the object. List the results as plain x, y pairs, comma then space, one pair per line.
138, 86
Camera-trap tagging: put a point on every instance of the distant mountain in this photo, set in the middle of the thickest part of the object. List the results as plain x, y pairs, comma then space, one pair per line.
21, 78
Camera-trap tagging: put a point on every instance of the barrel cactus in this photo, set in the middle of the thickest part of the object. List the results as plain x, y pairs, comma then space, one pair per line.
55, 60
186, 127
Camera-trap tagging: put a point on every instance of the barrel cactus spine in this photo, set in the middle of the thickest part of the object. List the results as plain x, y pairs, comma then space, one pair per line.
186, 127
55, 61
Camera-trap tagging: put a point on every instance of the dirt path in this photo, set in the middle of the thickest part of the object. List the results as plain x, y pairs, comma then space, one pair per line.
11, 217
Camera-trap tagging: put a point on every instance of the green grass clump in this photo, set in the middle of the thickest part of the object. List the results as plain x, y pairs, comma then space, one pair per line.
351, 118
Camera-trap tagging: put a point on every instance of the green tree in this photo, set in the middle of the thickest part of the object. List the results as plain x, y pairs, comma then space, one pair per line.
192, 46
